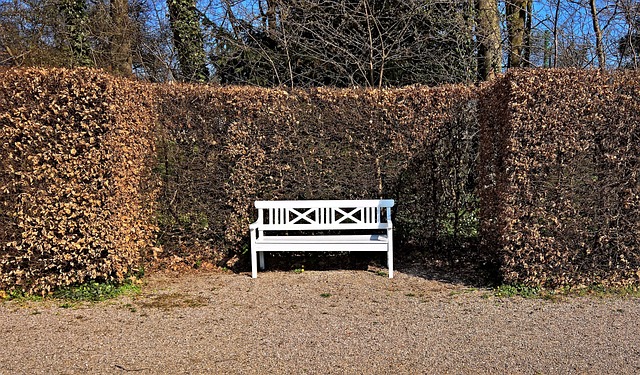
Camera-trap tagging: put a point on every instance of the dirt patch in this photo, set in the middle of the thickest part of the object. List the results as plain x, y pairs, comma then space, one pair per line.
172, 301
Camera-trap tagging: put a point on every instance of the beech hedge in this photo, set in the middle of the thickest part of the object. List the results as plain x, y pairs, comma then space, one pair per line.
97, 172
222, 148
559, 166
75, 197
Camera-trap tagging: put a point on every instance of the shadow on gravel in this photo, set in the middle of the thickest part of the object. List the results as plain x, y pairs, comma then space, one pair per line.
459, 265
462, 264
317, 261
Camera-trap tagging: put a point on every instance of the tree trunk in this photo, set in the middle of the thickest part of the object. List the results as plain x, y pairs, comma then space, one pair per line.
271, 15
555, 34
526, 52
188, 40
75, 18
489, 53
516, 20
602, 64
120, 43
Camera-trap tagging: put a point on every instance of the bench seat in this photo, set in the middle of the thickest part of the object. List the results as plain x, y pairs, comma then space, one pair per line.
358, 242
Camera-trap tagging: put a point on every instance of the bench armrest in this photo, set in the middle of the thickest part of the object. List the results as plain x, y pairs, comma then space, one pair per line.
255, 225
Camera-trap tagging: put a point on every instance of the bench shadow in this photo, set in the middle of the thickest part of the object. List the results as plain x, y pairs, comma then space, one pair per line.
317, 261
463, 264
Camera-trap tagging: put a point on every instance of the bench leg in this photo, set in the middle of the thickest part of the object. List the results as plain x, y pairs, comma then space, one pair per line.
254, 264
390, 254
261, 257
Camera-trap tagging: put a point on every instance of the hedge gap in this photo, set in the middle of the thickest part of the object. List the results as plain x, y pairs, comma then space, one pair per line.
224, 148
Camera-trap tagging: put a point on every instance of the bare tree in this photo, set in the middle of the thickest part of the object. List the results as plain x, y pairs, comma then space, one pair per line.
319, 42
113, 35
586, 34
555, 33
33, 32
602, 63
350, 42
152, 49
629, 43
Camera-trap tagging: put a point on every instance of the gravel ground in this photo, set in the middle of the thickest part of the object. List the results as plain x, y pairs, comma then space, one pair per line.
320, 322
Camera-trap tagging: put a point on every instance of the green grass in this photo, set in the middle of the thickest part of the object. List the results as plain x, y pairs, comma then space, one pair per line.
19, 295
600, 291
517, 290
95, 292
91, 291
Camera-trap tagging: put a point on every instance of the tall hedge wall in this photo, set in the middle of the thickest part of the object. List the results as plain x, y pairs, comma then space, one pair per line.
75, 199
559, 166
224, 148
79, 167
92, 165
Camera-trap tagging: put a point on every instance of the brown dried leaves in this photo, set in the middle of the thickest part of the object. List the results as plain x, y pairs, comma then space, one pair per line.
560, 183
74, 202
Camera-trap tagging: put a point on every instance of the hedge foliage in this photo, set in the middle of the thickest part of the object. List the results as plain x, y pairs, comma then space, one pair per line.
78, 182
560, 164
75, 197
224, 148
93, 167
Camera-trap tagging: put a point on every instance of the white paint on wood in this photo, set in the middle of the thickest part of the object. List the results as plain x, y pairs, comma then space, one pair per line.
317, 216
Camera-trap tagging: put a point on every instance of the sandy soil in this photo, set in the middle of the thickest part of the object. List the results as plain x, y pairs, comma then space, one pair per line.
320, 322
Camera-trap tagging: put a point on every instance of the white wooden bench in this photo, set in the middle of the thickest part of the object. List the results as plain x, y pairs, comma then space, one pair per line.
370, 220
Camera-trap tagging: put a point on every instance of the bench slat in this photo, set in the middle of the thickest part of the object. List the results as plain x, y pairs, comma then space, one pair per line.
324, 239
328, 203
340, 226
335, 247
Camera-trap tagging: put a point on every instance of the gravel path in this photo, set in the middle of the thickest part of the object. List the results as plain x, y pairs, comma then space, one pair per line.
320, 322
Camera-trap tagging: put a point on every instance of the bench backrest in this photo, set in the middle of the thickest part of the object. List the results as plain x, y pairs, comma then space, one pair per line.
325, 215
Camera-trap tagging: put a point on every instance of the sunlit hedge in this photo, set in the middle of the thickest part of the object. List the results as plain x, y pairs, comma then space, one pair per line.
560, 164
75, 202
80, 166
96, 170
